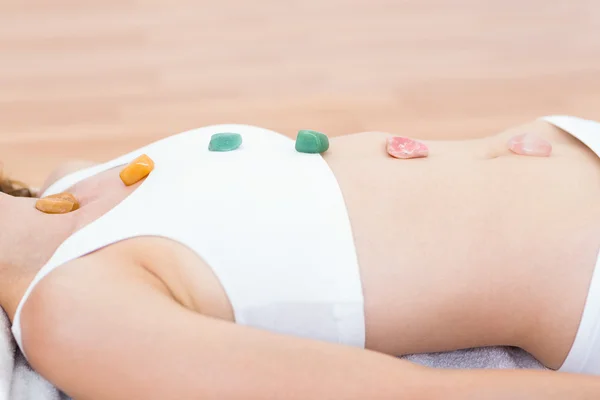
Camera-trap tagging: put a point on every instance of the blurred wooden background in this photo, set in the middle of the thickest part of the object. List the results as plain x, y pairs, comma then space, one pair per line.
93, 79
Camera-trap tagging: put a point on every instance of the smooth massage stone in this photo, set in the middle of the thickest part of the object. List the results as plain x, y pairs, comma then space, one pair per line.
311, 142
225, 141
530, 145
55, 205
65, 196
405, 148
137, 170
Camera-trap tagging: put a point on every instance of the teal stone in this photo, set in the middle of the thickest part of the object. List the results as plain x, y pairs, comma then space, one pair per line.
311, 142
225, 141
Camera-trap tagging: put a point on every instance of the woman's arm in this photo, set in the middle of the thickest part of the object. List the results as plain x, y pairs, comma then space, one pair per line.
106, 331
516, 385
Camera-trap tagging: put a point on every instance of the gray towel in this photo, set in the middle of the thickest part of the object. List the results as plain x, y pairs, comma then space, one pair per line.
17, 380
488, 357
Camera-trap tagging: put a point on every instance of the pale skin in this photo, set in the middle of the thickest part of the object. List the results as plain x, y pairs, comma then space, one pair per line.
472, 246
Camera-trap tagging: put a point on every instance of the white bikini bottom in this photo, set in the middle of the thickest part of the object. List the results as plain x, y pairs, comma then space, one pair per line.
584, 356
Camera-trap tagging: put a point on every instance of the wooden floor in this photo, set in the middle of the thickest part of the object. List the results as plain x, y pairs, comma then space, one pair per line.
92, 79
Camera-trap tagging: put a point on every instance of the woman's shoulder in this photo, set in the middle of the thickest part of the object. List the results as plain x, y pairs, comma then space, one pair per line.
63, 170
57, 304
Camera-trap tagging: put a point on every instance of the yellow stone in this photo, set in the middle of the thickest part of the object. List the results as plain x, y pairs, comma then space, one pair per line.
65, 196
54, 205
137, 170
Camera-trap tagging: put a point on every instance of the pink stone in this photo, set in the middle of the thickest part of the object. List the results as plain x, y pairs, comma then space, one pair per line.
402, 147
530, 145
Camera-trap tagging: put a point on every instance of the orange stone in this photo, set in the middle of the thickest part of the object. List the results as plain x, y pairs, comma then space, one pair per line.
54, 205
65, 196
137, 170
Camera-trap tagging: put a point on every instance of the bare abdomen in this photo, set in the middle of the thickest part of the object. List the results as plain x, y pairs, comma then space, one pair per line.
471, 246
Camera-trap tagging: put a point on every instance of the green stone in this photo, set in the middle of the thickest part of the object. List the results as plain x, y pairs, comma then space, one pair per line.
225, 141
311, 142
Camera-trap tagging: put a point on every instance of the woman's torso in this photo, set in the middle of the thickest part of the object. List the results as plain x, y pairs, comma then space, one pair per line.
441, 241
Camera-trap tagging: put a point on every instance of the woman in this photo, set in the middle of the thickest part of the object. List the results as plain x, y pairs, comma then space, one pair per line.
134, 294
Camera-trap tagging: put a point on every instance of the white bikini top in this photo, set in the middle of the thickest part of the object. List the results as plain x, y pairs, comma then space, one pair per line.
270, 222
